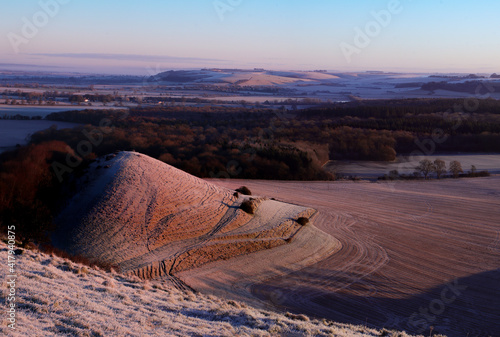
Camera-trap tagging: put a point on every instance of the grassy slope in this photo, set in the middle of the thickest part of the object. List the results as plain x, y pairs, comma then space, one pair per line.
58, 297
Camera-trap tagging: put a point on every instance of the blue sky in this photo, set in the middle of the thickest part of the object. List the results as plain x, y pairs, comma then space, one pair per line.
142, 36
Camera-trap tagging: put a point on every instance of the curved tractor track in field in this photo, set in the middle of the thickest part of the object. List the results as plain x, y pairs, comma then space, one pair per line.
413, 255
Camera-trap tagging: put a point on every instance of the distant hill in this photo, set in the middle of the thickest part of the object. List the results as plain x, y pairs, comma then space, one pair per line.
240, 77
470, 87
178, 76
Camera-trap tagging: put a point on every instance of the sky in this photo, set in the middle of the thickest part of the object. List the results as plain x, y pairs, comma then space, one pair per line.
148, 36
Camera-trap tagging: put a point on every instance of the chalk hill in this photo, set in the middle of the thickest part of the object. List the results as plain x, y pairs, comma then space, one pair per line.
151, 219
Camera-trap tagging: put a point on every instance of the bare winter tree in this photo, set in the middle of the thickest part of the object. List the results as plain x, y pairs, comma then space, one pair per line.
439, 167
456, 168
425, 167
473, 170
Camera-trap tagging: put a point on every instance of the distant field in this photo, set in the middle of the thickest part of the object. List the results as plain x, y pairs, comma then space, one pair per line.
252, 99
14, 132
375, 169
31, 111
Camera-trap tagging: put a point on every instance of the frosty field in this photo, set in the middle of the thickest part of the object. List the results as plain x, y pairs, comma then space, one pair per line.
14, 132
413, 255
33, 110
404, 165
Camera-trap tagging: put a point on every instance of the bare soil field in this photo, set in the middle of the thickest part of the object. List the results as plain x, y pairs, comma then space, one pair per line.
415, 256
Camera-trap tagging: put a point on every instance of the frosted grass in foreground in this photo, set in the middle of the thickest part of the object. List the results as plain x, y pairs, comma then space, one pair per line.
59, 297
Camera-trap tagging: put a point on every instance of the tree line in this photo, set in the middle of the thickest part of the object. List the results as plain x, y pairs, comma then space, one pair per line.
427, 168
